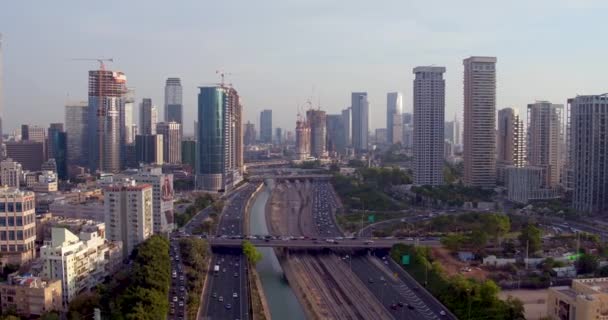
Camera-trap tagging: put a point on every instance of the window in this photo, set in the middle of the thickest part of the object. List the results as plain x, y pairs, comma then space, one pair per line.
11, 221
19, 221
11, 235
19, 236
10, 207
19, 206
2, 221
2, 206
3, 237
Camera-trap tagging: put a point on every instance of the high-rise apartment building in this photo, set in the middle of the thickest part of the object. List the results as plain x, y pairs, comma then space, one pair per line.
76, 128
127, 124
107, 91
302, 139
10, 173
588, 143
220, 142
429, 117
408, 119
336, 139
129, 214
149, 149
479, 122
249, 134
162, 187
278, 135
173, 102
347, 123
380, 136
172, 141
394, 122
317, 121
29, 153
17, 225
545, 140
148, 117
510, 143
266, 126
360, 121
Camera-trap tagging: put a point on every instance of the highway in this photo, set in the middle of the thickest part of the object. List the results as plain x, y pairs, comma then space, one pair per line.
227, 295
321, 243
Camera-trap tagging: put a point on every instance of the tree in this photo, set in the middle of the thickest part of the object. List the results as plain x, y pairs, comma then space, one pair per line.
587, 263
497, 225
603, 271
531, 237
453, 242
252, 254
50, 316
478, 239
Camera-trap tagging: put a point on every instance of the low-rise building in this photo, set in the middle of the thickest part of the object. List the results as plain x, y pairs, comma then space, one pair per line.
585, 299
526, 184
91, 210
30, 296
47, 182
81, 262
10, 173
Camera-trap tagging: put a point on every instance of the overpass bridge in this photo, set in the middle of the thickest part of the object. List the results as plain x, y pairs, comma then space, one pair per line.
322, 243
301, 177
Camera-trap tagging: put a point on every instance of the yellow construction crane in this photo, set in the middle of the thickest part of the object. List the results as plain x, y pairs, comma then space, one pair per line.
102, 66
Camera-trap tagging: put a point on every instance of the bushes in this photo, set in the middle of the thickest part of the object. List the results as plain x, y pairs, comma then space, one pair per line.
371, 188
466, 298
195, 255
200, 203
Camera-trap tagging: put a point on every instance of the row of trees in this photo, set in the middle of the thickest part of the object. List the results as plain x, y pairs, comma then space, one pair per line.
454, 195
139, 292
466, 298
200, 203
195, 255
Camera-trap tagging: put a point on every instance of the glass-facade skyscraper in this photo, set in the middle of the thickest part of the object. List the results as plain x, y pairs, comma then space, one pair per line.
173, 102
266, 126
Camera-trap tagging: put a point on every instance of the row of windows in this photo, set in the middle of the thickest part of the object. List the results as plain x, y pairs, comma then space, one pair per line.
17, 221
16, 235
17, 206
16, 248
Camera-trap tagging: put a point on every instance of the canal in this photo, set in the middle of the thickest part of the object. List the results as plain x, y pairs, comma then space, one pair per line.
281, 299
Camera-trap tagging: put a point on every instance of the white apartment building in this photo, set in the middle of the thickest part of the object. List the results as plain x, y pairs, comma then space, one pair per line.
394, 122
80, 262
429, 118
47, 182
129, 214
162, 185
545, 140
510, 147
526, 183
17, 225
10, 173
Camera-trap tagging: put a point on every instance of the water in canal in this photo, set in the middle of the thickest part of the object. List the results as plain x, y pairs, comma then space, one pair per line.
281, 299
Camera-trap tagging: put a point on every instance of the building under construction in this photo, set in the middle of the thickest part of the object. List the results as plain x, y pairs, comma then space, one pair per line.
317, 121
302, 139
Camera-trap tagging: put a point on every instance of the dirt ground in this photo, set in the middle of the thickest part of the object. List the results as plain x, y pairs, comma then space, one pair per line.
452, 265
535, 301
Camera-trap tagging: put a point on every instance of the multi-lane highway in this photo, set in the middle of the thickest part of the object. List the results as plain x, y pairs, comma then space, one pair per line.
311, 243
227, 295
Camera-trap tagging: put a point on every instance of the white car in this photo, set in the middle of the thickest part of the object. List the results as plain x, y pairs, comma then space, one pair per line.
235, 295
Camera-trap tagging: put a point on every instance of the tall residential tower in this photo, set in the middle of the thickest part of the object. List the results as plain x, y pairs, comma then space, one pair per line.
510, 142
545, 140
360, 121
394, 122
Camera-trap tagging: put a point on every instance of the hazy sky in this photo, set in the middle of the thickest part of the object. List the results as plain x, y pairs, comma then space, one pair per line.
284, 51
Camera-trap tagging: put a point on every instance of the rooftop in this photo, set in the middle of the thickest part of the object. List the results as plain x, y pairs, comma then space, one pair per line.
600, 285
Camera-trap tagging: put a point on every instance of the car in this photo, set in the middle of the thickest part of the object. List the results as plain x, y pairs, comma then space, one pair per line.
181, 303
235, 295
228, 306
236, 275
181, 288
174, 298
221, 299
401, 304
172, 311
442, 313
370, 280
394, 306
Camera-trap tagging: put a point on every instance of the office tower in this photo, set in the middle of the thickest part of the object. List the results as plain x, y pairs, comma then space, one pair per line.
290, 138
59, 145
149, 149
37, 134
10, 173
381, 136
408, 119
129, 214
29, 153
317, 122
336, 138
173, 102
479, 122
131, 156
76, 128
107, 91
266, 126
172, 141
18, 227
510, 143
128, 124
429, 115
162, 191
189, 152
394, 122
249, 134
302, 139
588, 143
347, 124
195, 130
360, 121
219, 139
545, 140
54, 127
148, 117
278, 136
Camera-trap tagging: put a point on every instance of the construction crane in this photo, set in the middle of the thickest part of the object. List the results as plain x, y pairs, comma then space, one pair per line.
223, 74
102, 66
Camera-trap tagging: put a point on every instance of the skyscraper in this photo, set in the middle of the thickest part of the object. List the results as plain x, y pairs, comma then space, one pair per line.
302, 138
107, 90
266, 126
479, 121
172, 141
317, 121
452, 131
588, 143
189, 153
128, 124
360, 121
279, 136
429, 115
394, 122
173, 101
76, 128
336, 139
58, 149
29, 153
510, 143
545, 140
346, 118
148, 117
219, 162
149, 149
249, 133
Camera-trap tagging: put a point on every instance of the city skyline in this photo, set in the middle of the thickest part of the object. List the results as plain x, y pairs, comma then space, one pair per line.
444, 39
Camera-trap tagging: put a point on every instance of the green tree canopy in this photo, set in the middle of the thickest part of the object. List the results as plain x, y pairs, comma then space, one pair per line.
251, 252
587, 263
530, 236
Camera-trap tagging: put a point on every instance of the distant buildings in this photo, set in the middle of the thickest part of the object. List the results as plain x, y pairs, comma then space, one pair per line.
17, 226
148, 117
58, 149
149, 149
76, 128
189, 153
302, 139
172, 141
479, 122
347, 120
510, 142
266, 126
360, 121
452, 131
250, 134
317, 121
394, 122
29, 153
10, 173
279, 136
162, 187
31, 296
545, 140
336, 134
585, 299
588, 143
525, 184
429, 115
173, 102
129, 214
219, 164
380, 136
